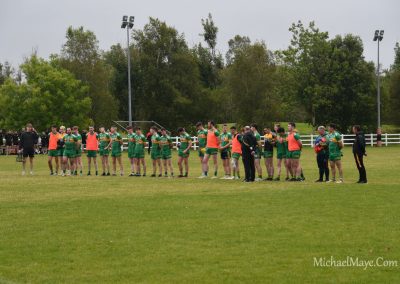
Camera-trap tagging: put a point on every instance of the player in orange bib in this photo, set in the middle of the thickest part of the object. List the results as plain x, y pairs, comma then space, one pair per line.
54, 136
236, 153
92, 146
213, 141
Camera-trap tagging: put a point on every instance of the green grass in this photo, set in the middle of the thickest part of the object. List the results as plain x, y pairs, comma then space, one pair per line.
390, 128
121, 229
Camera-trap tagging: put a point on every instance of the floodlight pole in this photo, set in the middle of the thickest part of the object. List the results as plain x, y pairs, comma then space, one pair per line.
129, 78
379, 90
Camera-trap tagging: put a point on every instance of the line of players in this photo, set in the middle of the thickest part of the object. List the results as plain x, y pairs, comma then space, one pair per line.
65, 148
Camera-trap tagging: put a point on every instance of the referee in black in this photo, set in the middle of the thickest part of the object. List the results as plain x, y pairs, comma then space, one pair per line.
359, 153
27, 143
249, 146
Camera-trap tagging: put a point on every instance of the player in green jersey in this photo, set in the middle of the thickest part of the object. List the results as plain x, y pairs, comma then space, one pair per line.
269, 143
131, 149
155, 151
281, 150
60, 148
116, 144
166, 146
335, 145
141, 142
104, 146
202, 143
225, 149
184, 151
70, 142
78, 155
258, 152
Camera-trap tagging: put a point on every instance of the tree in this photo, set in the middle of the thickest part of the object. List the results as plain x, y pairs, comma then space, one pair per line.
81, 55
394, 87
248, 84
331, 78
236, 46
116, 57
50, 95
167, 79
210, 33
6, 71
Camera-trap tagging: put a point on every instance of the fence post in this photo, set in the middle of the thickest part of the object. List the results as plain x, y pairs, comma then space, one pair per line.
194, 142
312, 140
372, 140
386, 141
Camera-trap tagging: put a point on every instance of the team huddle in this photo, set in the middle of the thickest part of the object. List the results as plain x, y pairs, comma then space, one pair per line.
231, 145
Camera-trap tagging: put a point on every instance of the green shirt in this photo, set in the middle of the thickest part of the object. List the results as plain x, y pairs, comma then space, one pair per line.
140, 143
184, 139
258, 139
104, 140
165, 144
131, 141
334, 139
155, 143
116, 141
281, 144
70, 141
202, 138
225, 139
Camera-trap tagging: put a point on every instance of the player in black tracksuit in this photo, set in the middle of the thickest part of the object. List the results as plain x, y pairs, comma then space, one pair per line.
249, 146
359, 153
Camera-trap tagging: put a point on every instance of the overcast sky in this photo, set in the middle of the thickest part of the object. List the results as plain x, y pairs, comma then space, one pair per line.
27, 25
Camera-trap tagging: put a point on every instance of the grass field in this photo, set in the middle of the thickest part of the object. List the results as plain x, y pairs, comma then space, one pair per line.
121, 229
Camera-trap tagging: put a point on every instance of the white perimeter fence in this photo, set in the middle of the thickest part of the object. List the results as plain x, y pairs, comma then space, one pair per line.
308, 140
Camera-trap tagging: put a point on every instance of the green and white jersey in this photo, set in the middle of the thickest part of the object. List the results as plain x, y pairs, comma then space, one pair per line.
116, 141
281, 145
70, 141
79, 137
202, 138
155, 143
225, 139
184, 139
334, 139
140, 143
104, 139
165, 144
131, 141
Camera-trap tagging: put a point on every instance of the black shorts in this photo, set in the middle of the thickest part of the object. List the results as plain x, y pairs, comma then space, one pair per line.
28, 152
225, 155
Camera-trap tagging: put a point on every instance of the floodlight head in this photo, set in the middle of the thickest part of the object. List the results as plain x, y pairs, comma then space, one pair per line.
124, 22
376, 35
381, 35
131, 20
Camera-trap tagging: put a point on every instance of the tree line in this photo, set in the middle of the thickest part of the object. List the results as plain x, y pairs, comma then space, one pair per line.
318, 79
